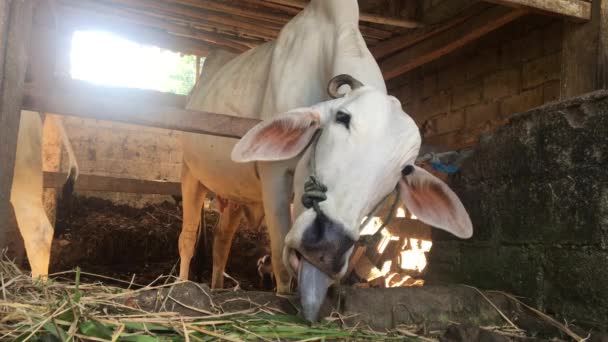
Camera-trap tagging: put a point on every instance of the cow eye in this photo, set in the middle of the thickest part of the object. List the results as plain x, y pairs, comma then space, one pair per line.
343, 118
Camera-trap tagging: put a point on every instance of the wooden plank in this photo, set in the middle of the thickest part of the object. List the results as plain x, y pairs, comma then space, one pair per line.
52, 147
15, 27
448, 41
110, 103
73, 19
585, 54
242, 24
143, 27
366, 17
55, 180
576, 10
235, 10
398, 43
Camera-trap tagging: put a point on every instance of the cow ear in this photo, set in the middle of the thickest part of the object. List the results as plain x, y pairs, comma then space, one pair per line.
283, 137
433, 202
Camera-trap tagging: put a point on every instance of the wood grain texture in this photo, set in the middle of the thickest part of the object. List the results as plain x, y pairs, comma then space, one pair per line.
15, 27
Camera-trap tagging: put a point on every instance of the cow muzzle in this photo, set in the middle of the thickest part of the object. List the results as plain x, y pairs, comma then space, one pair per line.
319, 260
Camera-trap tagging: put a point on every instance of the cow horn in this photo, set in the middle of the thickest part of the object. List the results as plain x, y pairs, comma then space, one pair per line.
340, 80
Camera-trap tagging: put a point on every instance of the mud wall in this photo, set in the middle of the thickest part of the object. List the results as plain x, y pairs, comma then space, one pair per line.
537, 192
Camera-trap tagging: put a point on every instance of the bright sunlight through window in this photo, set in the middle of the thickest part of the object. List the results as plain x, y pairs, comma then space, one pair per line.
107, 59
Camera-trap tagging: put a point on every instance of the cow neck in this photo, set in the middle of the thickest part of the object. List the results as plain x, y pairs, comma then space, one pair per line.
315, 191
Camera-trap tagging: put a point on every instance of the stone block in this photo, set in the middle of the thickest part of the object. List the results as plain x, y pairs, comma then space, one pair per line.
564, 210
521, 102
541, 70
501, 84
451, 76
482, 209
484, 63
429, 85
551, 91
466, 95
434, 105
515, 269
480, 114
575, 283
449, 122
527, 48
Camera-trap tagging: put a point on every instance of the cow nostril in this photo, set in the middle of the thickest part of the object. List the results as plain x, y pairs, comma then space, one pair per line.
317, 231
325, 243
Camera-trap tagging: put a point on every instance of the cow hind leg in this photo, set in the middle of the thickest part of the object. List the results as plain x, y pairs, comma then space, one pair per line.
193, 196
231, 217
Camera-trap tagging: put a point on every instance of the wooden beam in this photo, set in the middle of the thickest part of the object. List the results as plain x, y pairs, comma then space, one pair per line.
577, 10
235, 10
97, 102
243, 25
448, 41
15, 28
366, 17
143, 27
55, 180
398, 43
73, 20
585, 54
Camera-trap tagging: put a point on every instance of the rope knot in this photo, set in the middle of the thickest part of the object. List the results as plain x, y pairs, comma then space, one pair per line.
314, 193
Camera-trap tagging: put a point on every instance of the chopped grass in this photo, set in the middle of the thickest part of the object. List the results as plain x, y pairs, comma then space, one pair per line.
70, 310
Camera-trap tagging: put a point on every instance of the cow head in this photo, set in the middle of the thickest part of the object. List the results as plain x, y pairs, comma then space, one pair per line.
360, 147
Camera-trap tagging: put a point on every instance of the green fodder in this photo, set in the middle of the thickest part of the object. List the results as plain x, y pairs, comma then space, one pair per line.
68, 310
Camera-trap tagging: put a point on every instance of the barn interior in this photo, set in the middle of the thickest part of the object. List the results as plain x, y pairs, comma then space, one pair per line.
513, 88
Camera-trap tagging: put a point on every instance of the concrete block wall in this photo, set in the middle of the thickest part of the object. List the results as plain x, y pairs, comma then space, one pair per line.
125, 151
536, 191
535, 188
477, 88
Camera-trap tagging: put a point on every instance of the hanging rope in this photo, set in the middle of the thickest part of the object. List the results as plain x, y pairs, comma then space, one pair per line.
314, 190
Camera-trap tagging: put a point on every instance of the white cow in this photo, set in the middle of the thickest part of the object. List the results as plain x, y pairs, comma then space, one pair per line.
359, 155
26, 190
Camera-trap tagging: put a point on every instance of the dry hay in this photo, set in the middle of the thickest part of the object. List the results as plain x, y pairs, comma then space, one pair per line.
60, 310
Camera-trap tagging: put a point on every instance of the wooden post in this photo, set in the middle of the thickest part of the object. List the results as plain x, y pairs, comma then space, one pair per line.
15, 26
585, 53
45, 50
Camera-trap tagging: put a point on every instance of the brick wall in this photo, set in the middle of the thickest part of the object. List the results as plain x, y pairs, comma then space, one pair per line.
125, 151
476, 89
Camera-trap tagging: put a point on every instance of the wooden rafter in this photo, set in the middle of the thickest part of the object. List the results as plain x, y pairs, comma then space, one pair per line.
573, 9
448, 41
88, 14
367, 17
139, 33
390, 46
241, 24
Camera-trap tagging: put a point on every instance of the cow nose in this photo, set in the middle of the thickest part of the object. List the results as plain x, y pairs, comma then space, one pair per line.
325, 243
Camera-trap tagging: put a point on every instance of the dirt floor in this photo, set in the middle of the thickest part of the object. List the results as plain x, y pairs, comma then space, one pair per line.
119, 241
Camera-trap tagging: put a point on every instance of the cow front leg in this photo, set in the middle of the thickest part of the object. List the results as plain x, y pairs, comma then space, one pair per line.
277, 184
193, 197
231, 217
